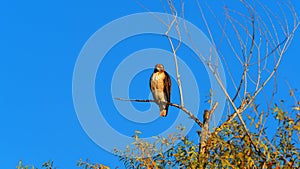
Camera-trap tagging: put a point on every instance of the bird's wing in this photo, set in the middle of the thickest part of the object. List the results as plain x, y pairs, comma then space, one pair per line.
167, 87
150, 82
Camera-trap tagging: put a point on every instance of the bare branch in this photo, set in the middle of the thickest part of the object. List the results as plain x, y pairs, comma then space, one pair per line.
191, 115
174, 50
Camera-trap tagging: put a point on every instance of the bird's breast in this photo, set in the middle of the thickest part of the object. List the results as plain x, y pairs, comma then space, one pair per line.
157, 81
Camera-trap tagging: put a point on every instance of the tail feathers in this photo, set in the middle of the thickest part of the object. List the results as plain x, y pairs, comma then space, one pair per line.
163, 113
163, 109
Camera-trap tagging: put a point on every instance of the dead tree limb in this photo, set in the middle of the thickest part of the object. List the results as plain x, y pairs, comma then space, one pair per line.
205, 130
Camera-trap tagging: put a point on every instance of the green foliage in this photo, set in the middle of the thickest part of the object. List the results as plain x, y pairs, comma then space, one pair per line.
21, 166
140, 153
229, 147
283, 140
46, 165
226, 147
87, 165
49, 165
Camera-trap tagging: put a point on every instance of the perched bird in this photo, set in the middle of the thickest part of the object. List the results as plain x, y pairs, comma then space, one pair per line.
160, 86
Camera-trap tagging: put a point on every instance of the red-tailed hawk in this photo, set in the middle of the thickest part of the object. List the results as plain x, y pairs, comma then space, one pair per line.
160, 86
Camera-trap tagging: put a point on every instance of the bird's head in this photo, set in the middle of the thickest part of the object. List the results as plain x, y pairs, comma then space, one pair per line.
159, 68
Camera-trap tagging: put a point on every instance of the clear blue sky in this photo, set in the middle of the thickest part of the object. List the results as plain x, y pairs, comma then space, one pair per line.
40, 42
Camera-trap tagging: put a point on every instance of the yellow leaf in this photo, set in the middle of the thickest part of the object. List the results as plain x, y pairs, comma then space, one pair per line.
137, 132
296, 127
296, 108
